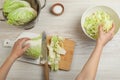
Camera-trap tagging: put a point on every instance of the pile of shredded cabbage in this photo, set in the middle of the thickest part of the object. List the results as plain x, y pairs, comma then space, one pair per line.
56, 48
93, 21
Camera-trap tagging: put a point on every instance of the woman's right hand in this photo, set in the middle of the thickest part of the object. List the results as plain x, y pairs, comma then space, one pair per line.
105, 37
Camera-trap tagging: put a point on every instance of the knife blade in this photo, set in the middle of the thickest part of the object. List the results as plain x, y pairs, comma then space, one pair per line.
44, 58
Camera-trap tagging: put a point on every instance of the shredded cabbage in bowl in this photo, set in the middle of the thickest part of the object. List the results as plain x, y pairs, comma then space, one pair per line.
93, 21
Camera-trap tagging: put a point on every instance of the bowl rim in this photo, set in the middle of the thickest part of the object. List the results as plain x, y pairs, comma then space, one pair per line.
91, 8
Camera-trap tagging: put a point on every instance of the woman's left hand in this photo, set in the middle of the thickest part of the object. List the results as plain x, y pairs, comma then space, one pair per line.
18, 48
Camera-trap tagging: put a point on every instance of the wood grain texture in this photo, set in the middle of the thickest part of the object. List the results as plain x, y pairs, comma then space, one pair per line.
66, 60
68, 26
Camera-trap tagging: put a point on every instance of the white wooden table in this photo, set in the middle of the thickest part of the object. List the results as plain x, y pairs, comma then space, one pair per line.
67, 25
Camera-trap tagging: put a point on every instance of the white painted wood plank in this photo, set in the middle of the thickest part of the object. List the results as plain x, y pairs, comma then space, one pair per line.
67, 25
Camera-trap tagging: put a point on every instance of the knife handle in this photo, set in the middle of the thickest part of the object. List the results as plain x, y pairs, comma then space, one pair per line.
46, 71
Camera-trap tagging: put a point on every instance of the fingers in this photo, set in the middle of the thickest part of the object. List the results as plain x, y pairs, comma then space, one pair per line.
100, 28
22, 40
26, 47
112, 29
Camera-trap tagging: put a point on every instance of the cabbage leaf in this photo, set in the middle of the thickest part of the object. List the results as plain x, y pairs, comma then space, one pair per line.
21, 16
11, 5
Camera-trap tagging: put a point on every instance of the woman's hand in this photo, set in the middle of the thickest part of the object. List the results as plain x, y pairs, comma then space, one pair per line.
18, 48
17, 51
105, 37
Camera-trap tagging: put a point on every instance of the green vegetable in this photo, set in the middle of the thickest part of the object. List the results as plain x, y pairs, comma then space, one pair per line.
18, 12
11, 5
55, 50
93, 21
21, 16
34, 51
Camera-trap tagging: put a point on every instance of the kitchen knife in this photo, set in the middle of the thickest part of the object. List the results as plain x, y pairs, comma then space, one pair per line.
44, 58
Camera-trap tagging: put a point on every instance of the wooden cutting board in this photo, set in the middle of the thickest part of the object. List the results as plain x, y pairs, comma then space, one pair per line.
66, 60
